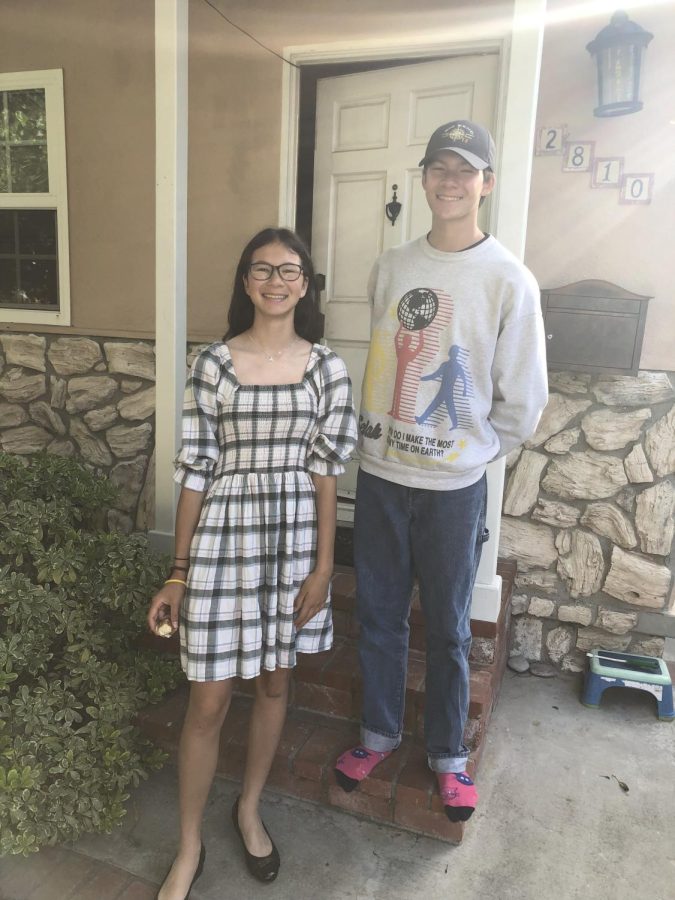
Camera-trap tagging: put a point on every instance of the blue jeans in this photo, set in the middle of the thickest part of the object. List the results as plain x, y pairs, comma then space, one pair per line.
437, 535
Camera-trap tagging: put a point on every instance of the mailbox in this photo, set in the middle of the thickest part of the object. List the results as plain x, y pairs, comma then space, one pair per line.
594, 326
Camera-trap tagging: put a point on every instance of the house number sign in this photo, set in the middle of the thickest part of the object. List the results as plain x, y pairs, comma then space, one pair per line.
605, 171
578, 156
550, 140
636, 188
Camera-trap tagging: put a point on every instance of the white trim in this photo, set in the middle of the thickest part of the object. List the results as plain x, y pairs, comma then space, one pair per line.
51, 80
171, 104
518, 111
486, 600
288, 171
487, 593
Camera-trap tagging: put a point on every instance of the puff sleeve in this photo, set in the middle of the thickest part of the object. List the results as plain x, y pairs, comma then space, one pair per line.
200, 448
335, 436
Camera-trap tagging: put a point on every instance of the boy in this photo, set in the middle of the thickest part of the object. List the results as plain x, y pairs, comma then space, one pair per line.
455, 378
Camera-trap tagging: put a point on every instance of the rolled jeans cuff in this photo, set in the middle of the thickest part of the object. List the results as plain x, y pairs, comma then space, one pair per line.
446, 764
381, 743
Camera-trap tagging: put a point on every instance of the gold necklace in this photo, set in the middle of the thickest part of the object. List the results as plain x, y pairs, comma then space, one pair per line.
271, 357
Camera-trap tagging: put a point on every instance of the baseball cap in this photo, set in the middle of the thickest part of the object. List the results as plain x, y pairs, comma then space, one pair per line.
473, 142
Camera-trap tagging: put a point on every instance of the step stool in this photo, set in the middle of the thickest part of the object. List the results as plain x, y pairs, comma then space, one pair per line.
610, 668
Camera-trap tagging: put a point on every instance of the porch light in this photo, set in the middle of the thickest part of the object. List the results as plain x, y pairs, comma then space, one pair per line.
618, 51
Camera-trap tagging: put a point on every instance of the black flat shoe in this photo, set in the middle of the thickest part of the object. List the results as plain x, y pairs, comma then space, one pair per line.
198, 871
264, 868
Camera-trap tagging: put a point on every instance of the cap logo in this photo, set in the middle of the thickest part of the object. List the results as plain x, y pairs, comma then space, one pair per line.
460, 134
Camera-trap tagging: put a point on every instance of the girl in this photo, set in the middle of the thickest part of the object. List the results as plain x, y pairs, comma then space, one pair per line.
268, 423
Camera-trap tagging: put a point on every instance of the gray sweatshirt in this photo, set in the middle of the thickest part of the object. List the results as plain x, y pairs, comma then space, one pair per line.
456, 370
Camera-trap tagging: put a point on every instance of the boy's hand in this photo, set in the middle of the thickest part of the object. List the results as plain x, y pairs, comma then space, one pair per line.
311, 598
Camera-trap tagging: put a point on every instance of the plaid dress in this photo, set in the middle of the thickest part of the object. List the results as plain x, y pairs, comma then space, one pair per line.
251, 448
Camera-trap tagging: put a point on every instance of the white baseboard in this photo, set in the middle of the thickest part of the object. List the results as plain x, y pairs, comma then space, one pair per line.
162, 541
487, 600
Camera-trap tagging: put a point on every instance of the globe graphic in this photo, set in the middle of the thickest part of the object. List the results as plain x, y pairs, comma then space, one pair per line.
417, 309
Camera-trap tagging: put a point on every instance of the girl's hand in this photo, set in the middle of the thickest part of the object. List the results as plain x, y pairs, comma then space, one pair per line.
311, 598
164, 609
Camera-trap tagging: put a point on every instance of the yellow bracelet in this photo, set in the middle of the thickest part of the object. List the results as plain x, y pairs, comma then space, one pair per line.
175, 581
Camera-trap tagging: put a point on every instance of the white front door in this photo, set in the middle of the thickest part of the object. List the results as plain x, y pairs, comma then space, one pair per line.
371, 132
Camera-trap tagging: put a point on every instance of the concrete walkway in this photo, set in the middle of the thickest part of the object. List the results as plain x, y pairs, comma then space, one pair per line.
549, 825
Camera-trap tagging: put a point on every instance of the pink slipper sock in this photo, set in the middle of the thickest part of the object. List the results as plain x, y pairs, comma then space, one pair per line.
356, 764
458, 794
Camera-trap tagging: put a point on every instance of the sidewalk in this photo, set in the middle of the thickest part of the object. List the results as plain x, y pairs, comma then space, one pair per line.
549, 825
56, 873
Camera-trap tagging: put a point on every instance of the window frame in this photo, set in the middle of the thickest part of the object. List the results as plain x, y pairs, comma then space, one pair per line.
51, 81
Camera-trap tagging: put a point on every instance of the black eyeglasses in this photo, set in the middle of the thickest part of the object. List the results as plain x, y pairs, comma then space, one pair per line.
262, 271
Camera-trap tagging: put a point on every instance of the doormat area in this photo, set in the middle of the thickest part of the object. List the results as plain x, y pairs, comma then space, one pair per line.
344, 546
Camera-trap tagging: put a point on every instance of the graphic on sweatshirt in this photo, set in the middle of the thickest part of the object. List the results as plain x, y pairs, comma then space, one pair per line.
450, 373
423, 315
408, 346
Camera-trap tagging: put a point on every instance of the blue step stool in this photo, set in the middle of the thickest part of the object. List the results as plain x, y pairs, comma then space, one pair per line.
610, 668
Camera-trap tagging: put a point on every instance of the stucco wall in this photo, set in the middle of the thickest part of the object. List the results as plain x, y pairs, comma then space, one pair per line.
106, 51
577, 232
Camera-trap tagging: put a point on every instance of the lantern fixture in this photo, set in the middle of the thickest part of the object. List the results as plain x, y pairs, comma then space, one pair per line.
618, 50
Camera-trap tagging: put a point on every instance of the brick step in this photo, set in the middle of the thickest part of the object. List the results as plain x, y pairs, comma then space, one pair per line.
401, 792
343, 591
489, 638
323, 721
330, 684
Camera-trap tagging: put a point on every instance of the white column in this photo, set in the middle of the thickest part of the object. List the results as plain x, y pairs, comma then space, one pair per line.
171, 75
519, 118
509, 224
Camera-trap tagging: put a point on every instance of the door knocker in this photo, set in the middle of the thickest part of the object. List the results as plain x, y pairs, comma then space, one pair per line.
393, 208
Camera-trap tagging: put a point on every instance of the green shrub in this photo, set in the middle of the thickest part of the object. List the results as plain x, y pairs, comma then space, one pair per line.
73, 600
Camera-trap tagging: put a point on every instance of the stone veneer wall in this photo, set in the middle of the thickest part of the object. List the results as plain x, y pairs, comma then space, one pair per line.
89, 398
589, 515
589, 505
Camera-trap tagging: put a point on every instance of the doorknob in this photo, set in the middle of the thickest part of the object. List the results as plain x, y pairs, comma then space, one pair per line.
393, 208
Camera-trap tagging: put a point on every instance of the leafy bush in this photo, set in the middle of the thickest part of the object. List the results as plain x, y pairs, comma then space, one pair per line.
73, 600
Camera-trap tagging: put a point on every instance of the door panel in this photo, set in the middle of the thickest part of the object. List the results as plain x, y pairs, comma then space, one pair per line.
358, 244
361, 125
371, 132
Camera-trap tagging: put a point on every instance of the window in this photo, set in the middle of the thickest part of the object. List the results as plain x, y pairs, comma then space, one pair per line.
34, 274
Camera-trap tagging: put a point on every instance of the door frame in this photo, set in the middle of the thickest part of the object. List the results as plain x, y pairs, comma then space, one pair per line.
519, 45
322, 54
517, 42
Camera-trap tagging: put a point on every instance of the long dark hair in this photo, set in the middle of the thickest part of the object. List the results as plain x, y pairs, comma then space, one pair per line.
307, 319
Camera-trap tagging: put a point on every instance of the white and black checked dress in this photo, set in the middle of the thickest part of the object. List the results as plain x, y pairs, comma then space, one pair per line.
251, 448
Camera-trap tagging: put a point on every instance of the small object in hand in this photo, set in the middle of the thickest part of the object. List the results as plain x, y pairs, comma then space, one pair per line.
164, 629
